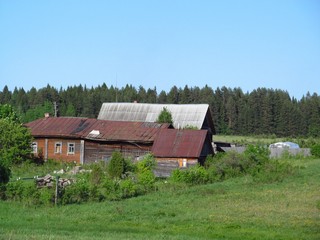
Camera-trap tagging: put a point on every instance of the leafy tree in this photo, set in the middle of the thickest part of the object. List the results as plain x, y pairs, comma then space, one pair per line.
7, 112
15, 141
165, 116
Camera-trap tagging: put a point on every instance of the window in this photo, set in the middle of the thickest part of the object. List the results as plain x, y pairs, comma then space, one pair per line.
184, 162
34, 147
58, 147
71, 148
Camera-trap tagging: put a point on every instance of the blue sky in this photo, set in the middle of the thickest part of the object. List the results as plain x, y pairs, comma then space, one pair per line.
247, 44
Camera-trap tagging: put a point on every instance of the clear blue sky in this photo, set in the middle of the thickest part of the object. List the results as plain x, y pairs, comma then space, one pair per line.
247, 44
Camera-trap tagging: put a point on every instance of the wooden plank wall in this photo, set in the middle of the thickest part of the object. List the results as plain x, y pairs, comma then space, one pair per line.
166, 165
95, 152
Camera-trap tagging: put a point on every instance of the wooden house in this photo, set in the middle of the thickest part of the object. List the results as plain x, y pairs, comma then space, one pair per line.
84, 140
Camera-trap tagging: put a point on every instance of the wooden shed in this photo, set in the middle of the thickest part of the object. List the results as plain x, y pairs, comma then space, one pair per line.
175, 148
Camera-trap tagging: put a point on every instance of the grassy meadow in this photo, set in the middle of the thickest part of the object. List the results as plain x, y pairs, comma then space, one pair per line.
237, 208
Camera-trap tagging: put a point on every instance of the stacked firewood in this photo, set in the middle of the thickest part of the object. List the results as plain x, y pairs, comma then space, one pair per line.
49, 181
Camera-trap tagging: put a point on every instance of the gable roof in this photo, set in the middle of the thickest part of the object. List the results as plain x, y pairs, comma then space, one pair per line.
179, 143
102, 130
183, 115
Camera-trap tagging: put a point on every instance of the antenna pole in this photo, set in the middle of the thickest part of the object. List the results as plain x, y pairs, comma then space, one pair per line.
116, 87
55, 109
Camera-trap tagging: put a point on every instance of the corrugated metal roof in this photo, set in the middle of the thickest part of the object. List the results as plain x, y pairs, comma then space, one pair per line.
94, 129
179, 143
183, 115
58, 127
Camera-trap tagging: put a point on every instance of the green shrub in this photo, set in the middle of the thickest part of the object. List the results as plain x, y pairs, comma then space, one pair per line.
193, 175
97, 175
145, 175
165, 116
96, 194
78, 192
5, 172
146, 180
273, 171
46, 196
14, 190
129, 166
315, 150
128, 188
213, 174
111, 189
233, 164
147, 163
28, 193
116, 165
257, 153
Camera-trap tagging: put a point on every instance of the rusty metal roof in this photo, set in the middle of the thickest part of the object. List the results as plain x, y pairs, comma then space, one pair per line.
179, 143
58, 127
94, 129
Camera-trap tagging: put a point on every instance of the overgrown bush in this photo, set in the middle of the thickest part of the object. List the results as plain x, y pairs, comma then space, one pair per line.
97, 174
273, 171
5, 173
315, 150
28, 193
194, 175
254, 161
77, 192
258, 154
128, 188
122, 178
116, 165
145, 175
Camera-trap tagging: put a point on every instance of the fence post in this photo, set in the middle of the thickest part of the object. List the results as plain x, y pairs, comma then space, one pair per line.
57, 191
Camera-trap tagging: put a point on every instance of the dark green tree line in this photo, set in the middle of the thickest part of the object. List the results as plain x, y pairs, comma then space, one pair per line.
262, 111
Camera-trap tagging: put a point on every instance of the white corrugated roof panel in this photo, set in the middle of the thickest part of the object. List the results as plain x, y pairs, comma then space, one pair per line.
182, 114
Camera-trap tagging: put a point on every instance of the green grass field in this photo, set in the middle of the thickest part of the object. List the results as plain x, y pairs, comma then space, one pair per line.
234, 209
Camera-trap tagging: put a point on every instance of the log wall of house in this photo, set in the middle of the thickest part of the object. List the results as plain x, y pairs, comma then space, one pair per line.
166, 165
95, 151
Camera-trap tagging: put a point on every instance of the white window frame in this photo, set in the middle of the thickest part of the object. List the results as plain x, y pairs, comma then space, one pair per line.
55, 147
184, 162
74, 148
34, 147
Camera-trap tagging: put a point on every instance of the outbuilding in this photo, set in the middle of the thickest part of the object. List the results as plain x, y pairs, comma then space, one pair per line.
175, 148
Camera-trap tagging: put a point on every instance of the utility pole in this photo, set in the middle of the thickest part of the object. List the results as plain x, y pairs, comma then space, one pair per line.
55, 109
116, 87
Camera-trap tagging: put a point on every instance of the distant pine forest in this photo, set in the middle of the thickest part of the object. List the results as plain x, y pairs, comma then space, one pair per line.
260, 112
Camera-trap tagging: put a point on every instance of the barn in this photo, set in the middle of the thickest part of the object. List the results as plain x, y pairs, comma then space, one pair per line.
183, 115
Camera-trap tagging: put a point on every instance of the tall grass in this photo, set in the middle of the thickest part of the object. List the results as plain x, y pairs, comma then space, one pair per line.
237, 208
